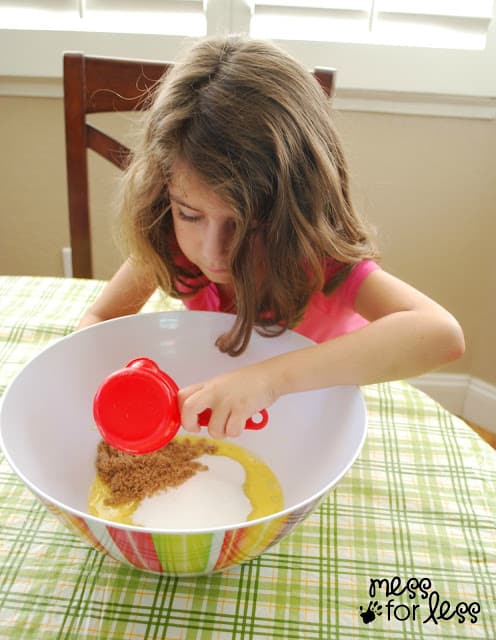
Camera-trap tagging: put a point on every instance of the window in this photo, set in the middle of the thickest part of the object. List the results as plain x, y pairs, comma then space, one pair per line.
384, 50
440, 50
180, 17
457, 24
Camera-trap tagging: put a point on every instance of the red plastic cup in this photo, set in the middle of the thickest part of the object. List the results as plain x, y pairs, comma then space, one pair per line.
136, 408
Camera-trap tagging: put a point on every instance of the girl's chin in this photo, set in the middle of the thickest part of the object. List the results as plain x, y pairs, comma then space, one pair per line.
219, 277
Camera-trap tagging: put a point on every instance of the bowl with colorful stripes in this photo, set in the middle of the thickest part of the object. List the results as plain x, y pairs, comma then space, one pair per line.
48, 436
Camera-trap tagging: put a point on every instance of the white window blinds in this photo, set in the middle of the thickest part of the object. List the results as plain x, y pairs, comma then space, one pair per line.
186, 17
458, 24
435, 23
442, 47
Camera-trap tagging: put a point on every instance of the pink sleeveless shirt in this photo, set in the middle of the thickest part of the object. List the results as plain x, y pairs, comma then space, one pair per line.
325, 317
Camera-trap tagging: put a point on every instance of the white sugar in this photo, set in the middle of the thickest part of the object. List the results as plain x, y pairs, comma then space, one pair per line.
211, 498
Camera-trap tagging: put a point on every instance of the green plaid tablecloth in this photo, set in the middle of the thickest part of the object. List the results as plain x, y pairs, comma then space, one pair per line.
419, 503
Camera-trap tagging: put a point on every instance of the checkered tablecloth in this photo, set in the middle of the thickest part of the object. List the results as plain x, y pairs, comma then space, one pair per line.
417, 511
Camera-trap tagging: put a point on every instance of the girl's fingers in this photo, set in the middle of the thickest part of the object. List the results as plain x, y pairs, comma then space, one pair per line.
188, 406
194, 400
217, 424
184, 393
229, 404
235, 425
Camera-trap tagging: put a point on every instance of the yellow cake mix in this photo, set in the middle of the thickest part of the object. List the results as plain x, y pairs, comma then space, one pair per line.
190, 483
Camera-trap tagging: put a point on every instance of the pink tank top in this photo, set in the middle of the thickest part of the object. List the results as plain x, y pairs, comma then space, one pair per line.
327, 316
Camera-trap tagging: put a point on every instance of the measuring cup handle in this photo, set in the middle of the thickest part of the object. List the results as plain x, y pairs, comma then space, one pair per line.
262, 417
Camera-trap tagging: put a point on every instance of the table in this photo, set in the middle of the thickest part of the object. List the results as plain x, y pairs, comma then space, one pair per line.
416, 512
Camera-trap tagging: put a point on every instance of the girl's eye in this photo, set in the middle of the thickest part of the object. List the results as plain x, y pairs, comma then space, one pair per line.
188, 217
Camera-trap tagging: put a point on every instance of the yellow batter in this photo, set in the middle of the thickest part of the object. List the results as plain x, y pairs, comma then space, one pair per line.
261, 487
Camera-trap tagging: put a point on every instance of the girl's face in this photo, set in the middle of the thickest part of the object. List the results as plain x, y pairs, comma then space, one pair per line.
203, 223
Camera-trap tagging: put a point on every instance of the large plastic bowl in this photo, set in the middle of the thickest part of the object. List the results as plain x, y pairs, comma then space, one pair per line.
48, 436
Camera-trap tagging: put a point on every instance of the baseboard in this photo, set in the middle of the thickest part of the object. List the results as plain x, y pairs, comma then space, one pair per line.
463, 395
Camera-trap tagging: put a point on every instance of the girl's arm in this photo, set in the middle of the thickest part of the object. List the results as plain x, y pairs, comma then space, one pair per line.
125, 294
408, 334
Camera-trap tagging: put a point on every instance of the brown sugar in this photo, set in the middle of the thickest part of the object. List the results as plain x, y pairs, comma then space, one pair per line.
134, 477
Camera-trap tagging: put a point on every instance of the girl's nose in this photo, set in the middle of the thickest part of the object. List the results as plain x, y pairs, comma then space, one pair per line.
218, 239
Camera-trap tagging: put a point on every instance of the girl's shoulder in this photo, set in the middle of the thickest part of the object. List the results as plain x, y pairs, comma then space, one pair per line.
360, 269
352, 276
330, 315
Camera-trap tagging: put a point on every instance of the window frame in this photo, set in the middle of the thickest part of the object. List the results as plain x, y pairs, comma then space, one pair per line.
374, 77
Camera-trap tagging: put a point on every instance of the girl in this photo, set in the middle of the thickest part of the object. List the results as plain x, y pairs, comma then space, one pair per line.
237, 200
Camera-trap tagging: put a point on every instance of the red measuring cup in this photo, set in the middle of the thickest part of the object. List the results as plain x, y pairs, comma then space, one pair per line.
136, 408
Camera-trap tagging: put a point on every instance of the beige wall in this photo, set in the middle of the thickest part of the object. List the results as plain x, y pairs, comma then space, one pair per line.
428, 185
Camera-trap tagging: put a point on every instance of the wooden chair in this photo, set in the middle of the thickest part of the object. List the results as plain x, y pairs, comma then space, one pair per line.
101, 85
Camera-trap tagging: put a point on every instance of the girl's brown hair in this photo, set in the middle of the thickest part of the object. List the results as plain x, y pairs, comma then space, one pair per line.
257, 128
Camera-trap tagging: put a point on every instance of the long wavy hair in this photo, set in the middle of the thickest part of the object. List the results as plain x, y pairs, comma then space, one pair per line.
257, 128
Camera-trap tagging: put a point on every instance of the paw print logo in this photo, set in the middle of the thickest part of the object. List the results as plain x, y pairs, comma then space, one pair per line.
369, 615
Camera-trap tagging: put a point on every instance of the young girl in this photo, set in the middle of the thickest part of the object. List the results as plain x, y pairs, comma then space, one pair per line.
237, 200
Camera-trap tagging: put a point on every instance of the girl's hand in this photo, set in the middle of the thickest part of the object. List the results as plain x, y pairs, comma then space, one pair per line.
233, 398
